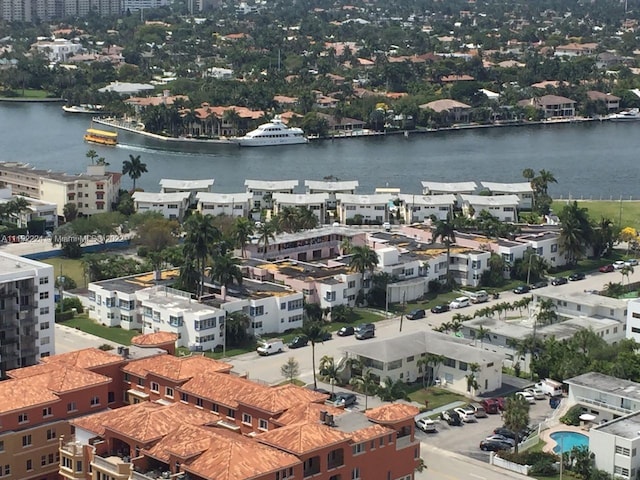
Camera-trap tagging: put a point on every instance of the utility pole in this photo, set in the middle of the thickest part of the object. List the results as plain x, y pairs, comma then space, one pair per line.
403, 307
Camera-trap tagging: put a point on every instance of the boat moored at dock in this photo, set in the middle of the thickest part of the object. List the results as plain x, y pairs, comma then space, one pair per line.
84, 108
273, 133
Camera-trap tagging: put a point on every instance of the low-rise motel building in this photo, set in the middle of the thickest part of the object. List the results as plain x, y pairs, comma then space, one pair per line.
193, 418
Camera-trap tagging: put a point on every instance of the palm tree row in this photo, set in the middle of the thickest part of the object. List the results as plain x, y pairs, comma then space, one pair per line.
295, 219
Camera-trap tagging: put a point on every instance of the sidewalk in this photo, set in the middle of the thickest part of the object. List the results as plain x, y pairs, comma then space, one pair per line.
439, 410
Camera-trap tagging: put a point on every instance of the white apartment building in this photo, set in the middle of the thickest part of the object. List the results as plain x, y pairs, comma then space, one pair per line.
372, 208
522, 190
231, 204
171, 205
615, 445
263, 190
37, 209
606, 397
332, 188
633, 319
453, 188
92, 192
503, 207
418, 208
169, 185
27, 312
316, 202
57, 49
397, 358
583, 304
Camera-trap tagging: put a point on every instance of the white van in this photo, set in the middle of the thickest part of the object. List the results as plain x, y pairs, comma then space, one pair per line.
460, 302
480, 296
269, 347
550, 387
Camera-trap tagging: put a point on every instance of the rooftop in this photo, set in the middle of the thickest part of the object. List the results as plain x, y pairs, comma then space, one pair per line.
151, 339
296, 269
456, 187
301, 438
508, 187
223, 389
88, 358
158, 197
135, 283
177, 369
392, 413
186, 184
212, 197
583, 298
375, 199
14, 267
271, 185
25, 168
339, 186
625, 427
605, 383
494, 200
427, 200
300, 198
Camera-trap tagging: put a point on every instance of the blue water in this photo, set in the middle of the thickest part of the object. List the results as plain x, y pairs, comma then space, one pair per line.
567, 440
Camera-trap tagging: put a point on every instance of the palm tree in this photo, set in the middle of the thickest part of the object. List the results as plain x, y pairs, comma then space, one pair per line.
430, 360
328, 368
314, 331
575, 232
266, 232
92, 154
226, 269
287, 220
134, 168
483, 333
516, 416
445, 231
200, 243
546, 312
626, 271
392, 390
236, 326
363, 259
366, 381
346, 246
242, 231
472, 381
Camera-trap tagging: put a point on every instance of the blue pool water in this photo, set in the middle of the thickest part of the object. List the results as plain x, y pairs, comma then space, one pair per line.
567, 440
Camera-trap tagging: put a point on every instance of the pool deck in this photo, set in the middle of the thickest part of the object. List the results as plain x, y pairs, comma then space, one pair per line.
550, 443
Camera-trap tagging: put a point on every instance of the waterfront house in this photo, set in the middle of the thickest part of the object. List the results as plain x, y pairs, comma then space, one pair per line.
611, 101
331, 188
371, 209
503, 207
453, 188
452, 110
127, 88
231, 204
418, 208
316, 202
169, 185
171, 205
263, 190
522, 190
57, 49
553, 106
575, 49
140, 103
341, 125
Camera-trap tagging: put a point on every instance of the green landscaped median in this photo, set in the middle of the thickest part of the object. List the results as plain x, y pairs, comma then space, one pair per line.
117, 335
437, 397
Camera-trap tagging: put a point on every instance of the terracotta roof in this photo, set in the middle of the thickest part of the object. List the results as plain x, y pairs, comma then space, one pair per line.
368, 433
444, 105
302, 438
147, 421
308, 413
227, 456
223, 389
457, 78
185, 442
87, 358
153, 339
23, 393
277, 399
175, 368
392, 413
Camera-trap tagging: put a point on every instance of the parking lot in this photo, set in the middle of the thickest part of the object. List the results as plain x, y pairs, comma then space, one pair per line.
465, 439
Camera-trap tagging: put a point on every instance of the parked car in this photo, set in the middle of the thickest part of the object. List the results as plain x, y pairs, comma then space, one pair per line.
416, 314
480, 296
451, 417
326, 336
460, 302
618, 265
345, 399
426, 424
298, 342
270, 347
559, 281
536, 392
576, 276
607, 268
440, 308
490, 405
527, 396
346, 331
505, 432
466, 414
365, 330
540, 284
478, 410
520, 289
493, 446
632, 262
502, 438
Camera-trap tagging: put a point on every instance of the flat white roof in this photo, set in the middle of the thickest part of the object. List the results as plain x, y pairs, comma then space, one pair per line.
119, 87
520, 187
272, 185
491, 201
456, 187
427, 200
211, 197
300, 198
346, 186
157, 197
376, 199
186, 184
13, 267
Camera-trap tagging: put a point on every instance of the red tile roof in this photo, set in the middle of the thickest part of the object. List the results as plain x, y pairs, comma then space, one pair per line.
87, 358
175, 368
302, 438
308, 413
392, 413
369, 433
277, 399
153, 339
223, 389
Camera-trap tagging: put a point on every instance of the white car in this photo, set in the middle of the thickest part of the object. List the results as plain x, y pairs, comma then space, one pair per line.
460, 302
632, 262
618, 265
467, 415
527, 396
536, 392
426, 425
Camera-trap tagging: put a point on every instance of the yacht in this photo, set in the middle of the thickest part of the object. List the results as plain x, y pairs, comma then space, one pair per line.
273, 133
84, 108
632, 115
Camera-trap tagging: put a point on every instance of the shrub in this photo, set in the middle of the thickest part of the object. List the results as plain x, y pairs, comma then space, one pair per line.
434, 286
72, 302
64, 316
572, 417
143, 251
529, 458
105, 347
545, 468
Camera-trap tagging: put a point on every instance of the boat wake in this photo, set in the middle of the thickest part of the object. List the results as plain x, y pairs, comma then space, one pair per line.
164, 151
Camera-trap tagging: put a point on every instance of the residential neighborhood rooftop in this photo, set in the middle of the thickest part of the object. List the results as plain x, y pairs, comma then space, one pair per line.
625, 427
606, 383
186, 184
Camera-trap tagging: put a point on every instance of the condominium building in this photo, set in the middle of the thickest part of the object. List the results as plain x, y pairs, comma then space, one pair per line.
523, 190
46, 10
26, 312
503, 207
263, 190
368, 208
231, 204
193, 187
615, 445
172, 205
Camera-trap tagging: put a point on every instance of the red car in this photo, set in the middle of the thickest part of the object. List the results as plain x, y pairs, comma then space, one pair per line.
606, 268
491, 405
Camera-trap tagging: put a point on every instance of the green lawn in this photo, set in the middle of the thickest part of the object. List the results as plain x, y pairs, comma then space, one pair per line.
629, 211
437, 397
69, 267
118, 335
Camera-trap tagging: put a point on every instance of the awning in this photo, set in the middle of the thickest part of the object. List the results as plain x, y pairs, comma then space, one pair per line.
587, 417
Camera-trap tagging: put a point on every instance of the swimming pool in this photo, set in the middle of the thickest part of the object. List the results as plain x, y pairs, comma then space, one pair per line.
567, 440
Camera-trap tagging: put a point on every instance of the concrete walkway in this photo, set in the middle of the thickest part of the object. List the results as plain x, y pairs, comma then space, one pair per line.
439, 410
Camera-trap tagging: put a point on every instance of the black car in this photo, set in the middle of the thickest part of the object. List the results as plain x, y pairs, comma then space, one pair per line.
576, 276
540, 284
346, 331
345, 399
416, 314
325, 336
559, 281
298, 342
451, 417
440, 308
520, 289
494, 445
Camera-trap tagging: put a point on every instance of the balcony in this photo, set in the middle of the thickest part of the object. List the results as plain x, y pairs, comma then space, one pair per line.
71, 449
115, 467
598, 403
404, 442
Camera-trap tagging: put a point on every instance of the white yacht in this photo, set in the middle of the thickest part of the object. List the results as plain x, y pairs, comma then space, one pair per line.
83, 108
273, 133
632, 115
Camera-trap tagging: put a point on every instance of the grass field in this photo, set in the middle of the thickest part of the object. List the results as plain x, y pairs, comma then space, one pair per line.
85, 324
69, 267
628, 211
437, 397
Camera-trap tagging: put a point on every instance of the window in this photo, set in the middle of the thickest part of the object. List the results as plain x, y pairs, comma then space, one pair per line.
199, 402
355, 474
358, 448
205, 324
175, 321
214, 407
44, 280
44, 310
7, 469
394, 365
79, 466
256, 311
168, 392
462, 366
141, 381
29, 465
111, 397
44, 295
449, 362
263, 424
335, 458
622, 451
617, 470
283, 305
297, 304
51, 433
71, 407
43, 460
246, 418
44, 326
184, 397
26, 440
231, 413
23, 418
95, 401
1, 445
154, 387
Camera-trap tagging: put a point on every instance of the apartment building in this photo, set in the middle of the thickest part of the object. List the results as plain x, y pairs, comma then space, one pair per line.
615, 444
27, 323
262, 190
193, 187
92, 192
173, 205
369, 208
37, 209
633, 319
231, 204
503, 207
585, 304
522, 190
331, 188
418, 208
316, 202
443, 188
